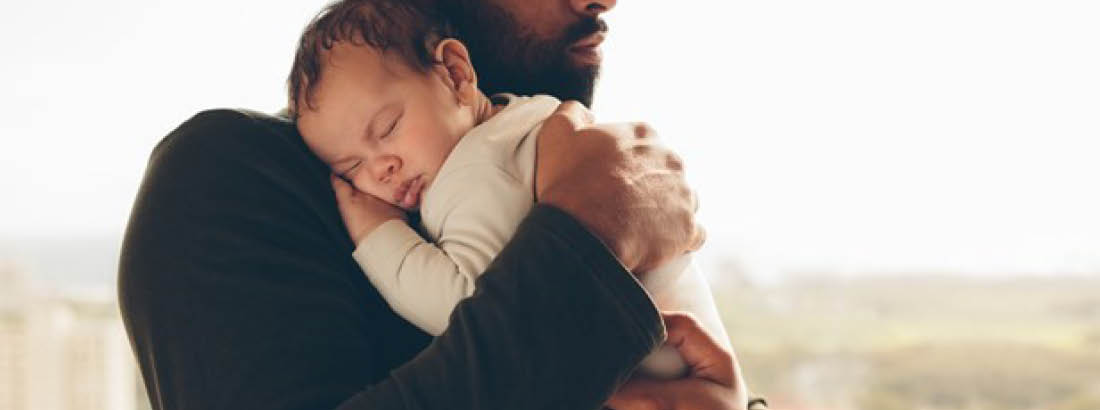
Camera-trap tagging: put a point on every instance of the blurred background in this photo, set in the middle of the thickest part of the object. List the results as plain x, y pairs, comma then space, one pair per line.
900, 197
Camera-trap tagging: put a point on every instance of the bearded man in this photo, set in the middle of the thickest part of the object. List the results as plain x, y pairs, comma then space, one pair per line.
238, 289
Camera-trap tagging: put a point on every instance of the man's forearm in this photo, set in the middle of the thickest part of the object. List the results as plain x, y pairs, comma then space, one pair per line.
555, 323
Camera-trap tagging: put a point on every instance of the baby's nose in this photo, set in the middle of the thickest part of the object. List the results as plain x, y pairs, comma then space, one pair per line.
385, 167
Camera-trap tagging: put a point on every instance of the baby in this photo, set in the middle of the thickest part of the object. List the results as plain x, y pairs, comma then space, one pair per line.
384, 96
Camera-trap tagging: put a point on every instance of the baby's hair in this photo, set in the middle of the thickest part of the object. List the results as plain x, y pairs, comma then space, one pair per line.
409, 28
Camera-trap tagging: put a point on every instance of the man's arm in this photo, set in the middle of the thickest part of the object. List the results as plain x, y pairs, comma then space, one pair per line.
531, 337
237, 292
644, 202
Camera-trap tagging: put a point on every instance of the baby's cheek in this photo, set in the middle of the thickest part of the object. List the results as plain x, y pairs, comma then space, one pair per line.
363, 184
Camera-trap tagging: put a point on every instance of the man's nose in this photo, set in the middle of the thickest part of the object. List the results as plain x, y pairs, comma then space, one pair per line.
383, 167
592, 7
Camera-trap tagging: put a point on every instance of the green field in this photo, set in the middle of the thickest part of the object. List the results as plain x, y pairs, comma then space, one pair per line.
920, 342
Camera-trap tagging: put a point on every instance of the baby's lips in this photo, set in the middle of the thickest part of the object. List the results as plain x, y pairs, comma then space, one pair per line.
402, 191
412, 195
408, 193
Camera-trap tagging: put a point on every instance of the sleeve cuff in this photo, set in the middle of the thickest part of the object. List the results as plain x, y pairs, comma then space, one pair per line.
382, 252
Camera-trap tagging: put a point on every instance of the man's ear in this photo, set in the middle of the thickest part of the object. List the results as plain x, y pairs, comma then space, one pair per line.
454, 61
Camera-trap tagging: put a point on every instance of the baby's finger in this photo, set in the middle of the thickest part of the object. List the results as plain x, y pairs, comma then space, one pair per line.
343, 190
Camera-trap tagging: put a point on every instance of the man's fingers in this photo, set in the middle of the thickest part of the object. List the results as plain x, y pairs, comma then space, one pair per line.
681, 394
698, 238
638, 394
706, 357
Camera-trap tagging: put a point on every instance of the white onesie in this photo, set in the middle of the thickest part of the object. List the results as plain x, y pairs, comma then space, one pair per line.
470, 211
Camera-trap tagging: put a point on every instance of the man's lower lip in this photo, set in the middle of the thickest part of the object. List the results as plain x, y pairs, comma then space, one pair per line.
587, 55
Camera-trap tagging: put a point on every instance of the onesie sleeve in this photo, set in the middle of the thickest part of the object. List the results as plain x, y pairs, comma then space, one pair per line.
476, 211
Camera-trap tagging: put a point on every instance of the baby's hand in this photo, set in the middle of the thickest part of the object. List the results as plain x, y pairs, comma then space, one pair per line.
361, 211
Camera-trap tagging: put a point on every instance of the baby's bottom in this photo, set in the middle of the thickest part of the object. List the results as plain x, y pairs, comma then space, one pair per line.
680, 286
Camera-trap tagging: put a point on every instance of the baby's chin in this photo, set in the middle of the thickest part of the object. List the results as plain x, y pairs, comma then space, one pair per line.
413, 207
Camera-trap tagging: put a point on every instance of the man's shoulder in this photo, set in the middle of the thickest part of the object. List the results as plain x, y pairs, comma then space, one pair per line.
220, 119
223, 127
243, 146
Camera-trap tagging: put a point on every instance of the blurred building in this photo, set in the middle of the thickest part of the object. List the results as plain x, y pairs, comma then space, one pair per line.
63, 350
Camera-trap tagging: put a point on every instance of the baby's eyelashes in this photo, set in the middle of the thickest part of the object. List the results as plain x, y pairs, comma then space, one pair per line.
346, 175
388, 131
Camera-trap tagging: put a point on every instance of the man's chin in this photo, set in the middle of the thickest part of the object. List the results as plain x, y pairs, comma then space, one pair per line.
583, 86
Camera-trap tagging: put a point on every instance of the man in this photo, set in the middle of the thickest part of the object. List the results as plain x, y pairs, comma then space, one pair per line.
238, 290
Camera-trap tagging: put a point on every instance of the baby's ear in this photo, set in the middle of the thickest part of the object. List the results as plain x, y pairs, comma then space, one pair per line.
453, 57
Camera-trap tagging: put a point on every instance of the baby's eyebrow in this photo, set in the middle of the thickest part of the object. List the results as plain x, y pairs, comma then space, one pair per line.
372, 124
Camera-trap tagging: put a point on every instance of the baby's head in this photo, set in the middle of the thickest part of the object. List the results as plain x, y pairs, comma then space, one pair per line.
382, 93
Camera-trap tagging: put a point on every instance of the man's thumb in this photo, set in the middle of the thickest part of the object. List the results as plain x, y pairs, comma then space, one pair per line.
567, 118
705, 356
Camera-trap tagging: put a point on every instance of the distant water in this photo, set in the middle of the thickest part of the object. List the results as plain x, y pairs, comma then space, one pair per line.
64, 262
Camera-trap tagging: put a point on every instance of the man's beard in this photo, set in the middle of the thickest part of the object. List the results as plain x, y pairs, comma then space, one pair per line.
509, 58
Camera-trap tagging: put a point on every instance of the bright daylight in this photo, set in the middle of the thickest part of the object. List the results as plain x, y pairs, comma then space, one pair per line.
899, 197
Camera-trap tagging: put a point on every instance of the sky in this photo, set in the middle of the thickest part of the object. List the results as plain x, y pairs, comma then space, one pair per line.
849, 137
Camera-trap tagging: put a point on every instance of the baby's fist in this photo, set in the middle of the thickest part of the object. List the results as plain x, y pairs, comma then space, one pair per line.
362, 212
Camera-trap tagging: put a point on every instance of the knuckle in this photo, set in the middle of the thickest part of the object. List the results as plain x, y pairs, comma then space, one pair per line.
674, 161
700, 236
643, 130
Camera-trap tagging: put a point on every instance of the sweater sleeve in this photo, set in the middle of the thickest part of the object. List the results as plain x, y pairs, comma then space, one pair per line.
475, 210
537, 332
237, 290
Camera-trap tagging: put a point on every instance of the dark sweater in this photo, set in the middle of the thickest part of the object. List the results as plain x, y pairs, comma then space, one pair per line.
238, 291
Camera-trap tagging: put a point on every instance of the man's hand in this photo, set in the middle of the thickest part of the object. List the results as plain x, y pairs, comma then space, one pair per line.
618, 182
361, 211
714, 382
